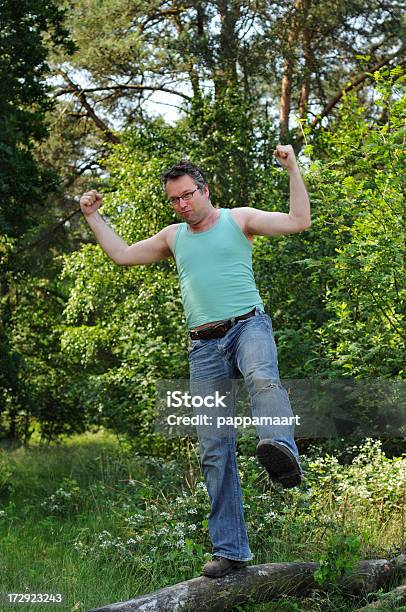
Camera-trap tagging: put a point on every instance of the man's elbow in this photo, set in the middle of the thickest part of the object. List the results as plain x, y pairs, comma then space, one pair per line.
299, 222
121, 258
301, 225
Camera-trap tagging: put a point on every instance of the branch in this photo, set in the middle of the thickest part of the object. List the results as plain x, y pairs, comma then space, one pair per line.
358, 80
80, 94
162, 15
258, 583
371, 293
75, 88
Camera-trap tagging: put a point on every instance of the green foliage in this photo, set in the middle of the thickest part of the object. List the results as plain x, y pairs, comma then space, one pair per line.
5, 474
36, 387
28, 29
23, 104
66, 498
345, 301
125, 326
371, 485
225, 144
88, 346
339, 558
88, 505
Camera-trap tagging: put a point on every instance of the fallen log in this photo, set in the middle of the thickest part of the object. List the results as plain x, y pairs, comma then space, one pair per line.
388, 601
257, 584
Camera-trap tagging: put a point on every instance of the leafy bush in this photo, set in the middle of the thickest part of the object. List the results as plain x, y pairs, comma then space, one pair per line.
344, 305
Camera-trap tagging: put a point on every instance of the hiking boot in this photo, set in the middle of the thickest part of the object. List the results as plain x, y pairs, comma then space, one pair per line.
220, 566
280, 463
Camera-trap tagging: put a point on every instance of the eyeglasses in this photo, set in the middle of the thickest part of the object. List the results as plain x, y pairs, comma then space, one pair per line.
188, 195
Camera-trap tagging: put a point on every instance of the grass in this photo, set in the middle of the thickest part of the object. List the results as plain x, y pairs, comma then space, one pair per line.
101, 524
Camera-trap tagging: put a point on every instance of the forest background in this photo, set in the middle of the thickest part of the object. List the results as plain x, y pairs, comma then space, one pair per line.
106, 94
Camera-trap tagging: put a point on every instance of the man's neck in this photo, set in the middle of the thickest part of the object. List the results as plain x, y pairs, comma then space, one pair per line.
207, 222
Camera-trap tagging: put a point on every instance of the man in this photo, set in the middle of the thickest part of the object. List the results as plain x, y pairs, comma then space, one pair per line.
230, 334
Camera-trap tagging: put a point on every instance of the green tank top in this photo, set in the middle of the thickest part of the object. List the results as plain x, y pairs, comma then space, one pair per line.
215, 272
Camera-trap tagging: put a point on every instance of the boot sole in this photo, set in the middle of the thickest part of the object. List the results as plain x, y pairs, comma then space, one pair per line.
280, 463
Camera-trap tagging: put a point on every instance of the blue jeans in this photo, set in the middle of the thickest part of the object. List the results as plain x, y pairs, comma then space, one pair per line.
249, 349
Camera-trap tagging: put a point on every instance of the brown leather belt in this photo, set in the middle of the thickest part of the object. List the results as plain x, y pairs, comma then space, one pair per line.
218, 330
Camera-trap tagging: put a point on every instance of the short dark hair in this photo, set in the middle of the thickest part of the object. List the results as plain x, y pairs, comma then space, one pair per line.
185, 166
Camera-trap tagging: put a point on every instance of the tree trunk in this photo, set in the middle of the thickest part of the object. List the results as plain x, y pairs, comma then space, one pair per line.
287, 73
226, 71
256, 584
308, 58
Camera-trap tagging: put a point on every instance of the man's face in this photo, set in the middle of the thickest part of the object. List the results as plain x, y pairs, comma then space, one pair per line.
193, 209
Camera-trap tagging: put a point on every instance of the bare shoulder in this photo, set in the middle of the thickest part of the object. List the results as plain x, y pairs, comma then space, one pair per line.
241, 216
169, 235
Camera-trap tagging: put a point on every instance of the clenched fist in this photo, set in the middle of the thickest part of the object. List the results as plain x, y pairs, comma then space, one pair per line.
90, 202
285, 155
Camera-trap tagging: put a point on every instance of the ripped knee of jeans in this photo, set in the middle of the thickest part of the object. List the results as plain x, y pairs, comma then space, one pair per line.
257, 385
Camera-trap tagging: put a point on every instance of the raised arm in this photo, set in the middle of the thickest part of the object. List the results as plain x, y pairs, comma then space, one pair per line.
262, 223
143, 252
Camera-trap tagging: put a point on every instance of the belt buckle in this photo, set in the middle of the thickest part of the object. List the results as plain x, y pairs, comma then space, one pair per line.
219, 329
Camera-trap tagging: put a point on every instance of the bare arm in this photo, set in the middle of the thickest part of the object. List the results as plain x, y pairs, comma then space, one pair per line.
147, 251
299, 200
143, 252
262, 223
